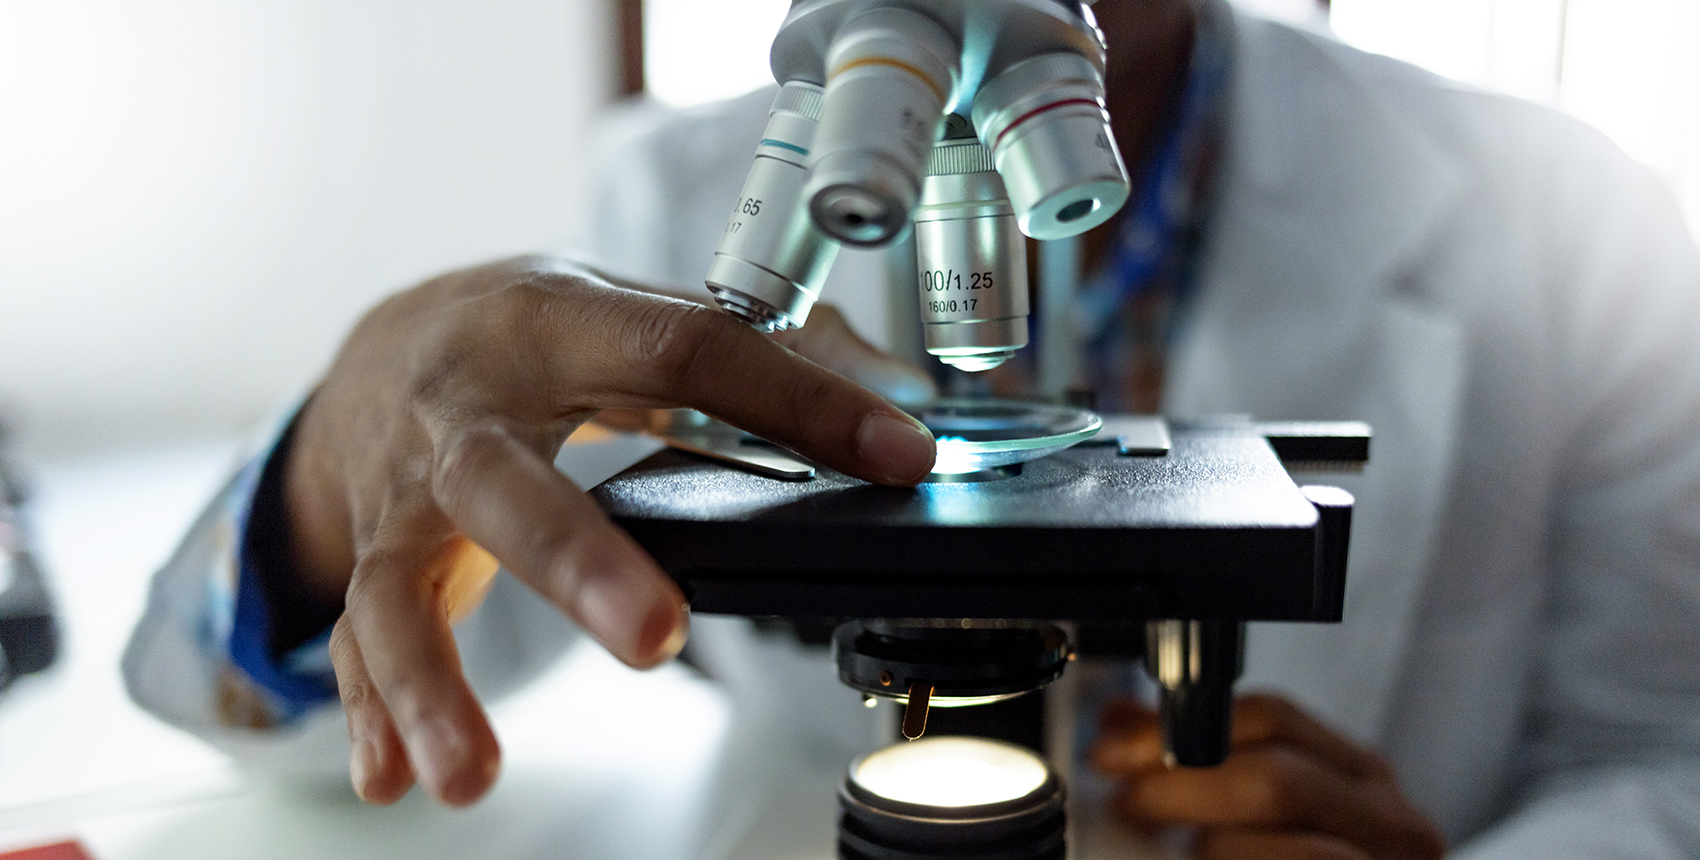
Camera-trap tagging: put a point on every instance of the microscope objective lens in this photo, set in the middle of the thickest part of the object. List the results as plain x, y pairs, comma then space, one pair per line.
1077, 210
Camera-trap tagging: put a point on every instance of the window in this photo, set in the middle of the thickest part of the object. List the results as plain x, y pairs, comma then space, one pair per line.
696, 51
1627, 66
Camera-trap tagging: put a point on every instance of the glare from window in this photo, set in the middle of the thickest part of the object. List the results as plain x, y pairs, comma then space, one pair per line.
1629, 67
1308, 14
1450, 37
696, 51
1620, 72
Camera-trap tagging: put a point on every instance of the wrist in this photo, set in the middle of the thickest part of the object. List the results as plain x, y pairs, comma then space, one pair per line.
300, 593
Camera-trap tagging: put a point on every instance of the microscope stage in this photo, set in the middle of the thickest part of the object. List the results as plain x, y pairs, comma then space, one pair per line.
1213, 529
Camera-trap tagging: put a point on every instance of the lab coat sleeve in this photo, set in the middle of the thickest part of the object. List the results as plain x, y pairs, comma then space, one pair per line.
180, 666
1612, 748
665, 181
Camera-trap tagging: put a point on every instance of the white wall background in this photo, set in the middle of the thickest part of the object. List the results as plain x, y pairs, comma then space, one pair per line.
197, 198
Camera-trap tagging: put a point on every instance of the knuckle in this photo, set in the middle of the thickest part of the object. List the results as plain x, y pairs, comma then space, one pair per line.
566, 565
500, 335
463, 459
534, 263
529, 314
1417, 837
1279, 780
355, 691
359, 602
1269, 707
670, 338
1378, 768
357, 695
551, 554
428, 389
808, 397
1288, 716
386, 578
1430, 844
342, 646
1329, 848
1137, 797
1254, 717
568, 558
536, 295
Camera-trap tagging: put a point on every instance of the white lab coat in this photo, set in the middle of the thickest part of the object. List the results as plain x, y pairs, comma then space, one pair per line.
1515, 307
1508, 299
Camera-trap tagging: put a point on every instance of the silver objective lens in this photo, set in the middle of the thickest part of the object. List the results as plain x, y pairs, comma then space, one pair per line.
1045, 122
972, 260
771, 260
890, 72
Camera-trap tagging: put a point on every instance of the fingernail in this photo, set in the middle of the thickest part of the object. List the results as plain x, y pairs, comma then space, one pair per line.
900, 449
678, 632
641, 625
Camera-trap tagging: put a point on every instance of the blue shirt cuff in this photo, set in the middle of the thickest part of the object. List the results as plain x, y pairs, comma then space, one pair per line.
302, 678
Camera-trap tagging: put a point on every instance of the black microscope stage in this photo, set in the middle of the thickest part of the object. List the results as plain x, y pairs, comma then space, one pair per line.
1213, 528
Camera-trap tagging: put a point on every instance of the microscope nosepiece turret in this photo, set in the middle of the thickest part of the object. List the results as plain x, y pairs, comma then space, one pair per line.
853, 154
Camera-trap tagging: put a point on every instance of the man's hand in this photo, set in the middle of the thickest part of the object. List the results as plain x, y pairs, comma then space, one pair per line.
1290, 788
425, 459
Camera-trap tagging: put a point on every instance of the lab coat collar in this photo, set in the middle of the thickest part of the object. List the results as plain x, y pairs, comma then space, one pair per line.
1311, 131
1329, 194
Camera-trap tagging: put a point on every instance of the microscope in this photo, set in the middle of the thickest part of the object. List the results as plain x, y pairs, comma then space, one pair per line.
972, 122
1048, 532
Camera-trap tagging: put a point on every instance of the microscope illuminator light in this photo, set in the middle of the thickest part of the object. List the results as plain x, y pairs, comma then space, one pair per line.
951, 797
951, 772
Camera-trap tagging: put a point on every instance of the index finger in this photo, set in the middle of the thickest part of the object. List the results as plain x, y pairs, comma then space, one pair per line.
1281, 788
511, 501
1261, 719
633, 349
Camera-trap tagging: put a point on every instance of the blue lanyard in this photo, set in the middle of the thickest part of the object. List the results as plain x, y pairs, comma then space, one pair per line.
1150, 245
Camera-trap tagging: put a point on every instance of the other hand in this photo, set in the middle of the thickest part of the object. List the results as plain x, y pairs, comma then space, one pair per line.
424, 460
1291, 787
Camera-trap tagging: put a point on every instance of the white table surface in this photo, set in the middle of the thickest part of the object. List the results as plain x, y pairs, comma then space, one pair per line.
652, 768
624, 778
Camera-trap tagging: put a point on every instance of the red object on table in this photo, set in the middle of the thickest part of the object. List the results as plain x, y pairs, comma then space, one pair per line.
56, 851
